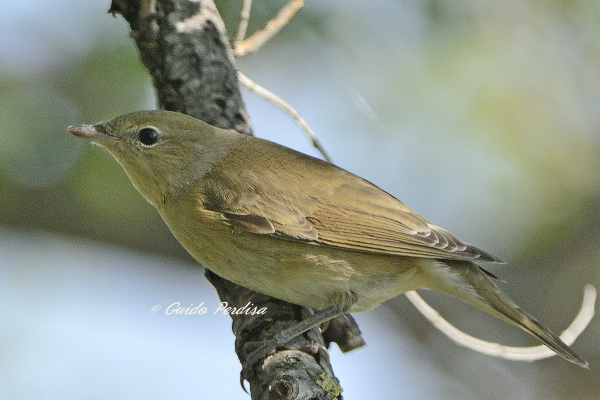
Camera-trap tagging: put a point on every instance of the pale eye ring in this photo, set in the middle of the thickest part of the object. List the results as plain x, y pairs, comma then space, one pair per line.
148, 136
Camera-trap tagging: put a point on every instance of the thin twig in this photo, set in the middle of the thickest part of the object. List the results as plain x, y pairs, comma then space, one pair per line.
259, 38
533, 353
243, 25
278, 101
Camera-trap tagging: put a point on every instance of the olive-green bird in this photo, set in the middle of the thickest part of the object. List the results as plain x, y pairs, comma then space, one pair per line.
294, 227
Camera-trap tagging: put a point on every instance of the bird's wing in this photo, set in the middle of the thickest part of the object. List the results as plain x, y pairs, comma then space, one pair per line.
369, 219
330, 207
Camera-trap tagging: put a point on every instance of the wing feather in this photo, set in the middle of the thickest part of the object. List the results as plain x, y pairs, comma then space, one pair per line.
331, 207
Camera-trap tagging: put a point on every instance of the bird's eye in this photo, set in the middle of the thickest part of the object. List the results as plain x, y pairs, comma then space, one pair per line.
148, 136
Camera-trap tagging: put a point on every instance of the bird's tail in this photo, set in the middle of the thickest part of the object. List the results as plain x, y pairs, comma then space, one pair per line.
470, 283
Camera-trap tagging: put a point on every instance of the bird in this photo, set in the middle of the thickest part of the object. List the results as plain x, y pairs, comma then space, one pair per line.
295, 227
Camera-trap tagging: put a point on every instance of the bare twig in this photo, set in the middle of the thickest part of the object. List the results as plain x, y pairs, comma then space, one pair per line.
243, 25
259, 38
533, 353
273, 98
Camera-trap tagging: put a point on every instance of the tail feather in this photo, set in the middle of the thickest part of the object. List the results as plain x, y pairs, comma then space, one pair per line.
483, 293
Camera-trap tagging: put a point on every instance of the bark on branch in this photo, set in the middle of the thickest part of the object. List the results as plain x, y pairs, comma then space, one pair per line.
184, 46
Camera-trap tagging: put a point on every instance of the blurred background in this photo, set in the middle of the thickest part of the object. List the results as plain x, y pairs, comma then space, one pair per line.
484, 117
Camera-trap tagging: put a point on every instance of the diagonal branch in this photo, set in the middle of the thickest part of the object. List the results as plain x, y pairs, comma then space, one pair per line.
184, 46
287, 107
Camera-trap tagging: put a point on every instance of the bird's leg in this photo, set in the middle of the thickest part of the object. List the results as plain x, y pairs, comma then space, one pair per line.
268, 347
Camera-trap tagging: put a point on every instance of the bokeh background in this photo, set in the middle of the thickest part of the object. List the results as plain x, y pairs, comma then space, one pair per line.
484, 117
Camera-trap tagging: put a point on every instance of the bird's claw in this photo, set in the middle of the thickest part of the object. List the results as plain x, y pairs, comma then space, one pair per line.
254, 357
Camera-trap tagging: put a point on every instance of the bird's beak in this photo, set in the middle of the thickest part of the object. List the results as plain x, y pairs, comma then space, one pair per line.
91, 133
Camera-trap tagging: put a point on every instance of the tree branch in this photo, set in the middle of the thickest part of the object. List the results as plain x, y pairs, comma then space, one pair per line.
287, 107
184, 46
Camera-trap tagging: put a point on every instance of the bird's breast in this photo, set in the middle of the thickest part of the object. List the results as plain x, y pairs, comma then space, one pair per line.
311, 275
